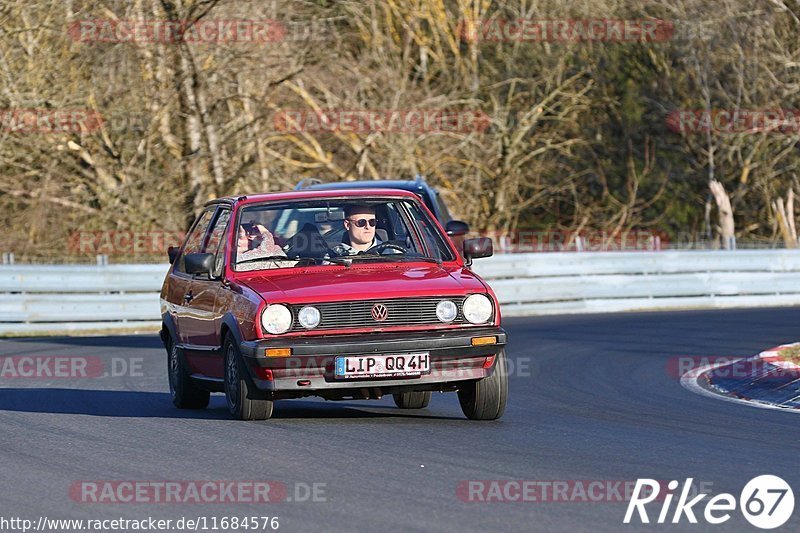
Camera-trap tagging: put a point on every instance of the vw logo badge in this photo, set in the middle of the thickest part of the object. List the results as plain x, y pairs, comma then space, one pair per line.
379, 312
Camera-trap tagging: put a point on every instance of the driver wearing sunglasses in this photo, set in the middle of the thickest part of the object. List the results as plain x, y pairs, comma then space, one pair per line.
359, 224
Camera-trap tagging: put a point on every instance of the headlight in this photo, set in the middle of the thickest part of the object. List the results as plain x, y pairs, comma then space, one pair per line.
477, 308
446, 311
309, 317
276, 319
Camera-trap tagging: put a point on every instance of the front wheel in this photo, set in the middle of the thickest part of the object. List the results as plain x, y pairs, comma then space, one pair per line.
243, 399
184, 393
485, 399
412, 400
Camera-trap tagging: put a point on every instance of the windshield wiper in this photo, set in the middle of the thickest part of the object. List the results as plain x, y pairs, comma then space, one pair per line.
346, 261
274, 258
399, 257
368, 256
427, 259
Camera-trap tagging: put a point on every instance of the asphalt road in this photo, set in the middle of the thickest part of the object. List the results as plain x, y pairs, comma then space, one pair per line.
591, 398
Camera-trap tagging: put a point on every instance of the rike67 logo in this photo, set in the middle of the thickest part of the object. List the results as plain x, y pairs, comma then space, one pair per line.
767, 502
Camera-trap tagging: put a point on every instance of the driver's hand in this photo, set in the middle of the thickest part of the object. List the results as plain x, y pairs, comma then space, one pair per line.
339, 249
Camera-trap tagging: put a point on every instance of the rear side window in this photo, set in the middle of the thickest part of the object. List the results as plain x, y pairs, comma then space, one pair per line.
194, 241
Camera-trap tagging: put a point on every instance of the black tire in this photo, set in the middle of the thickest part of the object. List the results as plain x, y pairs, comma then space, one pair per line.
244, 401
485, 399
412, 400
184, 393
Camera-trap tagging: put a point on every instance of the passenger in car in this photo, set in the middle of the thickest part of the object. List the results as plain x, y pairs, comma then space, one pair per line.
255, 241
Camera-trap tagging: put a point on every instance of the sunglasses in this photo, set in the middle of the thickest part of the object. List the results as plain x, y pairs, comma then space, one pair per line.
362, 222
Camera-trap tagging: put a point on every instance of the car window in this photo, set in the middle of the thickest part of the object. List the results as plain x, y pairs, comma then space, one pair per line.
317, 231
194, 241
216, 240
394, 222
430, 234
289, 221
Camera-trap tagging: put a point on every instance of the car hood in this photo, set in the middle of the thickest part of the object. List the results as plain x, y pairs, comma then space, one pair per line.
361, 282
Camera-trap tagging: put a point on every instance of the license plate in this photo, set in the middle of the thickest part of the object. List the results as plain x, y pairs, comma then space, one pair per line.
383, 366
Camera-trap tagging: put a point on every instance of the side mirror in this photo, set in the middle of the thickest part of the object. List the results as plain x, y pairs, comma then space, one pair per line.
477, 248
199, 263
172, 252
456, 228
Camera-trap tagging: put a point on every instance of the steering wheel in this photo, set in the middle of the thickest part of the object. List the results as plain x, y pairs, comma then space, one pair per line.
339, 249
378, 248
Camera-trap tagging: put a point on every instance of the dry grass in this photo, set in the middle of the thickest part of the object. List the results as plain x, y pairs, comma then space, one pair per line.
791, 354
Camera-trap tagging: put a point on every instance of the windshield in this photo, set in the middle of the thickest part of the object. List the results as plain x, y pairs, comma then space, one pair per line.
342, 231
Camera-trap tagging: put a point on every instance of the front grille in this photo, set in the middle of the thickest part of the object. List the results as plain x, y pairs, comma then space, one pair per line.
401, 312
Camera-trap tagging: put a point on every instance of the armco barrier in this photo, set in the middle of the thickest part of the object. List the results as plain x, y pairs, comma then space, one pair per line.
556, 283
37, 298
53, 298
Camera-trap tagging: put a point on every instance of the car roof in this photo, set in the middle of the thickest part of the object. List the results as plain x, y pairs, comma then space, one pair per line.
405, 185
306, 194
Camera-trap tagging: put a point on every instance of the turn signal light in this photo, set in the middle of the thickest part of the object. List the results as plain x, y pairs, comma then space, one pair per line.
278, 352
482, 341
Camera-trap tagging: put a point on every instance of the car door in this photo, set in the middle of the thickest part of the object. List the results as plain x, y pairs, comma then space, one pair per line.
179, 282
203, 317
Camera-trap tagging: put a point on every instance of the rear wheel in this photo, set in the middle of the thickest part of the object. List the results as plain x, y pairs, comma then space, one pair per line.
412, 400
185, 394
485, 399
244, 400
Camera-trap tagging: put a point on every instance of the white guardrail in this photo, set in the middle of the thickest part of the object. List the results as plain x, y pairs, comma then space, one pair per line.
44, 298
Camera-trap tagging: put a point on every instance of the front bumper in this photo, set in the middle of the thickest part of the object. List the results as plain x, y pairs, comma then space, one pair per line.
311, 365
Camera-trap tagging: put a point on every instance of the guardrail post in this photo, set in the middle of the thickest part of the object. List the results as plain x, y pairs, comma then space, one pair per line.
8, 258
655, 243
102, 260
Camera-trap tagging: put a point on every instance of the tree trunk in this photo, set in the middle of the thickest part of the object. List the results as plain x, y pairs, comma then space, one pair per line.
726, 226
785, 217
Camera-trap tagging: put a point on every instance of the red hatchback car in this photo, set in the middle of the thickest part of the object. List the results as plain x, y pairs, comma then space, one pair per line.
343, 294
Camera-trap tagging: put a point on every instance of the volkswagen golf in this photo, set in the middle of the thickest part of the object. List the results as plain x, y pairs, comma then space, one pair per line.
341, 294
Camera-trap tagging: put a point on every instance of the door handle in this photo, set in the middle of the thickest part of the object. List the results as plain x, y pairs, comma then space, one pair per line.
188, 297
